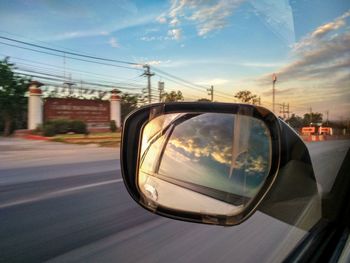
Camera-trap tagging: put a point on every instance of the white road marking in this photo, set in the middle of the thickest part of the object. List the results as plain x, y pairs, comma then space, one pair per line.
57, 193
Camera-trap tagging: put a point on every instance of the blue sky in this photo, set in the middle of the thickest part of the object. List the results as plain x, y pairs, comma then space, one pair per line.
231, 44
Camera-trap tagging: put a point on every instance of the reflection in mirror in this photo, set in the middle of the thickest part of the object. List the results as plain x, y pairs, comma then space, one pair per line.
209, 163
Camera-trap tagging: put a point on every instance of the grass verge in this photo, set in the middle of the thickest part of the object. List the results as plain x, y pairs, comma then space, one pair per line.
106, 139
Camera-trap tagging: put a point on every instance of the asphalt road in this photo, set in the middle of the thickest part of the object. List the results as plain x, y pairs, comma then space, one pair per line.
67, 203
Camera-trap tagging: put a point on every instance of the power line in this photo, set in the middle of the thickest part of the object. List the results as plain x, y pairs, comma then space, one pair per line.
174, 78
179, 79
193, 85
43, 42
70, 69
179, 83
53, 77
69, 52
73, 58
58, 76
51, 72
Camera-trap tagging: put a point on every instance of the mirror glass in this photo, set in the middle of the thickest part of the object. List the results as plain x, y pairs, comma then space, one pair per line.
209, 163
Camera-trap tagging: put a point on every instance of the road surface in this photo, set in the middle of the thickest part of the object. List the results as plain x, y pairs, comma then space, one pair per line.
67, 203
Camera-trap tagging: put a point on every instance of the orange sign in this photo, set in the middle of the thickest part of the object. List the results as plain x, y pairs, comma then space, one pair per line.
306, 130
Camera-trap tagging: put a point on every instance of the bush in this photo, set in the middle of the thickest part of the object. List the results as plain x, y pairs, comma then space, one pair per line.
49, 130
78, 127
113, 126
62, 126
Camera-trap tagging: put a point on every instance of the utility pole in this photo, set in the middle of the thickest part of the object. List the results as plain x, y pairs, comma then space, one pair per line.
259, 101
69, 85
148, 74
284, 108
274, 79
211, 93
161, 89
327, 113
64, 65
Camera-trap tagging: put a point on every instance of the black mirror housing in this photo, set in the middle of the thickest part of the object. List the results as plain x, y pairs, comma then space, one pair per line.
131, 145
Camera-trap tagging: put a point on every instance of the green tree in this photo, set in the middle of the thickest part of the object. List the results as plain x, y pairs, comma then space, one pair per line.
246, 96
313, 117
295, 121
173, 96
128, 104
13, 103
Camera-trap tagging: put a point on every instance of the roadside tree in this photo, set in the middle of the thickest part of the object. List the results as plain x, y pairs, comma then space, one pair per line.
13, 103
295, 121
246, 96
173, 96
313, 117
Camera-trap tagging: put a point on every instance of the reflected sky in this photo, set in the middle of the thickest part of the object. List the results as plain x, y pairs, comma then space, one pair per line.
227, 152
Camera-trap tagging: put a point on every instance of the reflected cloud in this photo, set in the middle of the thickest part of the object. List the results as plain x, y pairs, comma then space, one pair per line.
226, 152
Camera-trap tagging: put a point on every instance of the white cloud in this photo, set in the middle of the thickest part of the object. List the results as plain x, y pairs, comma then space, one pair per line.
210, 16
113, 42
157, 62
215, 81
207, 15
318, 56
175, 33
321, 32
154, 38
337, 23
102, 30
153, 62
213, 17
260, 64
145, 60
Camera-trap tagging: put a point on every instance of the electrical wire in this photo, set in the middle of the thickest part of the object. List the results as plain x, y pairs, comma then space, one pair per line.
69, 52
73, 58
69, 69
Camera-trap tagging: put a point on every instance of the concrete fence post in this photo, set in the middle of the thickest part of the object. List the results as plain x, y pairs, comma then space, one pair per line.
115, 108
35, 105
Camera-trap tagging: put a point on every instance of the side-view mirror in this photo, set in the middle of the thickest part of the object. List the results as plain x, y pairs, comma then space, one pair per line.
202, 162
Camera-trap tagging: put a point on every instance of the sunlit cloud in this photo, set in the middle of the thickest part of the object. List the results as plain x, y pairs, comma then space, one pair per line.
261, 64
211, 16
321, 31
320, 67
208, 16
